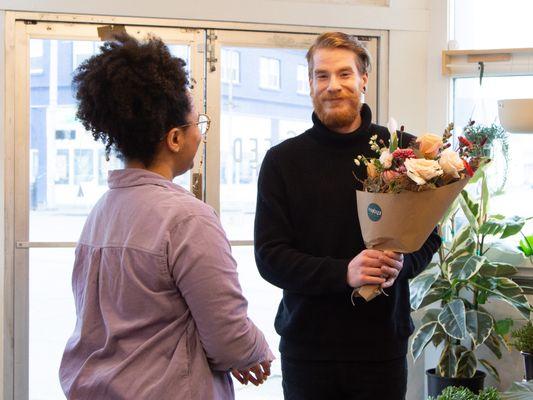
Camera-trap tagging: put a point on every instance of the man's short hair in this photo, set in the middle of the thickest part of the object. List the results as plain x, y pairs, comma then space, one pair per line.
340, 40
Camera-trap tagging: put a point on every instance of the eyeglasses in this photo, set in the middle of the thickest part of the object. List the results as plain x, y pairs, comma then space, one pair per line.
203, 124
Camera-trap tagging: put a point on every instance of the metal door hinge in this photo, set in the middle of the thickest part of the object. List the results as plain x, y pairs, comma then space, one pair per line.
211, 52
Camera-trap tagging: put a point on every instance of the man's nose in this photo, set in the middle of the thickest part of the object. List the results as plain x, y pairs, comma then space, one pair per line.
334, 84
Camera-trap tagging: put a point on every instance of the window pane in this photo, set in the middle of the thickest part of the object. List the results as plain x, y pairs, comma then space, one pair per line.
52, 319
263, 300
253, 120
68, 170
493, 24
480, 104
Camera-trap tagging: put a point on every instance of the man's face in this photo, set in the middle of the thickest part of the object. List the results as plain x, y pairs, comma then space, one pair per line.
336, 86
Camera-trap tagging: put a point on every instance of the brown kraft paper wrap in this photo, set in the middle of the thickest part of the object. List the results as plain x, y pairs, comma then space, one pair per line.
401, 222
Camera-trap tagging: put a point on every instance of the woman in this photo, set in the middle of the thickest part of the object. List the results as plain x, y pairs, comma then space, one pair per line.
160, 313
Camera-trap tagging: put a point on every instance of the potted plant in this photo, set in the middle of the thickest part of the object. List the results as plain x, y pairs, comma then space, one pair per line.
461, 393
462, 281
522, 340
484, 138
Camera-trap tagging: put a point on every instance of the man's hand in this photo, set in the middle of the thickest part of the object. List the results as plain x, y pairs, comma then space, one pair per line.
256, 374
374, 267
393, 264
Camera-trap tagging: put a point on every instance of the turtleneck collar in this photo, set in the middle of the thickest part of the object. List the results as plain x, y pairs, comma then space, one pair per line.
327, 136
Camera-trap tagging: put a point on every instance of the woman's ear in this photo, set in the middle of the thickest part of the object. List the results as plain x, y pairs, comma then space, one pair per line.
174, 139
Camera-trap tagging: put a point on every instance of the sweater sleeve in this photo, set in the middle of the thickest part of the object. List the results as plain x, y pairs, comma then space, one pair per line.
415, 263
205, 273
277, 258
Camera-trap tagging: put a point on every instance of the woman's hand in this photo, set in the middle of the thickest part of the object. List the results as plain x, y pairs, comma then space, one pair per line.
257, 374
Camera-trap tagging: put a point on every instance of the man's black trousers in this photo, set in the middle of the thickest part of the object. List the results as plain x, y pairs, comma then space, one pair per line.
334, 380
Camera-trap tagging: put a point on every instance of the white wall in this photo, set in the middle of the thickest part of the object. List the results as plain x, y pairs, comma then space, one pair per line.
2, 217
412, 44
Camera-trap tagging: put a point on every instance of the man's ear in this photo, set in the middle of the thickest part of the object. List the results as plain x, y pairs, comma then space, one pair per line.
364, 81
174, 139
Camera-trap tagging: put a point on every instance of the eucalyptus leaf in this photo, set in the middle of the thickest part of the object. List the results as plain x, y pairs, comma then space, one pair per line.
453, 319
421, 339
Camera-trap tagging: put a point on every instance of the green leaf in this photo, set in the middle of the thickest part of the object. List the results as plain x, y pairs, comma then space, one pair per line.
431, 315
447, 362
421, 339
467, 248
453, 319
465, 267
466, 365
494, 345
503, 326
436, 293
497, 269
526, 245
484, 196
421, 284
491, 369
464, 234
470, 209
479, 326
502, 228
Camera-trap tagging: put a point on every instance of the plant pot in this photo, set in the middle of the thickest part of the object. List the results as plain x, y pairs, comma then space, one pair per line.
528, 363
436, 384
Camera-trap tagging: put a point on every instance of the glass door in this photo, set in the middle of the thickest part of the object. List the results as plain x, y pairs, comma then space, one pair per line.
258, 96
60, 173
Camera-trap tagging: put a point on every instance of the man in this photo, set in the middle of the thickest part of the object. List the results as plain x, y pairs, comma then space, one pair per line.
308, 242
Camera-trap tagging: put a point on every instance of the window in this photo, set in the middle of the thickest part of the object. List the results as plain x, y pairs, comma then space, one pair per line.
63, 134
269, 73
82, 50
230, 72
302, 78
83, 165
482, 24
510, 172
62, 167
36, 55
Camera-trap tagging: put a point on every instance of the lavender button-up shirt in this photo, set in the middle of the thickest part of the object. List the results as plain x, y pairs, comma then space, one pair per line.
160, 313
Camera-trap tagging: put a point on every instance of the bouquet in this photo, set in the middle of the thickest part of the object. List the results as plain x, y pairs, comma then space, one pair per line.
408, 190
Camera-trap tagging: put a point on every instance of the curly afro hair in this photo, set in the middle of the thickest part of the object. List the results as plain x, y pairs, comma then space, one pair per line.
130, 95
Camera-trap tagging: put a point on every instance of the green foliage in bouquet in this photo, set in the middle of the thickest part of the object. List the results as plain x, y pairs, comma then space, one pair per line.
522, 338
463, 280
461, 393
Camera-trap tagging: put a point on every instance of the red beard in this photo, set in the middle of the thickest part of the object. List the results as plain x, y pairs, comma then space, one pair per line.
337, 118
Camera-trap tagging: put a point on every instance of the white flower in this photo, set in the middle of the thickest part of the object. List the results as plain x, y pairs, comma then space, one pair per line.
451, 163
386, 159
392, 125
421, 170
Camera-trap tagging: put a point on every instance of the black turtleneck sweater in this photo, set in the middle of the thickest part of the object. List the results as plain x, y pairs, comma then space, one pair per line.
306, 233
